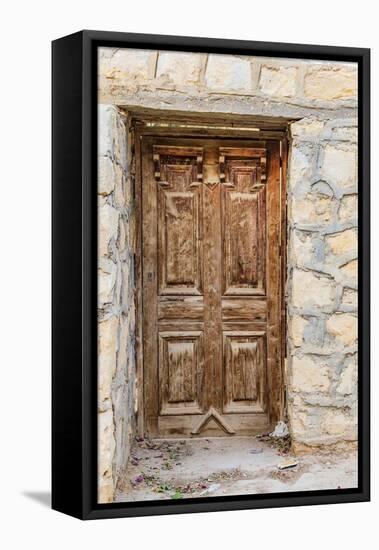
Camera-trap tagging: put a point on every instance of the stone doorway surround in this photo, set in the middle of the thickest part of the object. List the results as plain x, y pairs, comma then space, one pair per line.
318, 101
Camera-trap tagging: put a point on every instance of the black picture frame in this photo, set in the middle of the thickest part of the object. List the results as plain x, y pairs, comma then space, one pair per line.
74, 333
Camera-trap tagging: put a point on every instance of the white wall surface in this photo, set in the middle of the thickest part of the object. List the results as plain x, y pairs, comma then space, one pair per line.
27, 29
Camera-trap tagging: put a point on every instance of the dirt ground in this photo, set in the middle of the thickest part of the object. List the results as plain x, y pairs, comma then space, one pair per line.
175, 469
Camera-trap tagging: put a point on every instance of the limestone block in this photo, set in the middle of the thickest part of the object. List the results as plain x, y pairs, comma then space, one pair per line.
324, 208
296, 326
301, 211
105, 53
278, 81
125, 343
339, 166
106, 126
112, 135
119, 194
314, 332
127, 284
312, 210
344, 327
299, 424
303, 420
112, 138
302, 248
330, 83
179, 68
105, 456
108, 227
122, 444
128, 64
349, 297
106, 179
348, 210
117, 287
107, 443
301, 166
120, 142
122, 239
105, 490
312, 290
345, 133
349, 273
132, 318
322, 188
228, 73
307, 128
107, 353
106, 281
309, 375
128, 192
336, 422
342, 243
348, 378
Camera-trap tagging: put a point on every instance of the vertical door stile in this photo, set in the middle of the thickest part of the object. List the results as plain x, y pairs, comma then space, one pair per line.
274, 283
150, 288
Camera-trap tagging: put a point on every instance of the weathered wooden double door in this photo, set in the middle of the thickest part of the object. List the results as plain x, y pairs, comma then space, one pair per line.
211, 287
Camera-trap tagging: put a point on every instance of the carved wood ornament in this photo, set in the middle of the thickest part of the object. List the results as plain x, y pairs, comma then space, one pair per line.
243, 159
185, 160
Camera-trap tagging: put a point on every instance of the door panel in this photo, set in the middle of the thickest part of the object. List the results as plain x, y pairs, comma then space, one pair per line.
243, 223
244, 371
240, 308
179, 220
211, 316
244, 242
180, 307
180, 372
179, 250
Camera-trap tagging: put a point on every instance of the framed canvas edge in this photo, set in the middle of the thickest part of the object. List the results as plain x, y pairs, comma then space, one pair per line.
78, 279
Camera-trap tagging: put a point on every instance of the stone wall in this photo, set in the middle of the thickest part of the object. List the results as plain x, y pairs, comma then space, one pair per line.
213, 83
116, 310
322, 282
319, 99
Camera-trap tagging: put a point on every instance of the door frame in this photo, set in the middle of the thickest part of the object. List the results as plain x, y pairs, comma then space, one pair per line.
163, 124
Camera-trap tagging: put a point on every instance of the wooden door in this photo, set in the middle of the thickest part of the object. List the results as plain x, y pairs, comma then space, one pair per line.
211, 224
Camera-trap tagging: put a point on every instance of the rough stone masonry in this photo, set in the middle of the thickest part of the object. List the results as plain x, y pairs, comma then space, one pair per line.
321, 99
116, 309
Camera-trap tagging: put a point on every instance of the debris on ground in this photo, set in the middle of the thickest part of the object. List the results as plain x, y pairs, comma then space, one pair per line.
256, 451
278, 439
288, 475
290, 463
180, 469
139, 479
280, 430
169, 453
211, 489
281, 444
